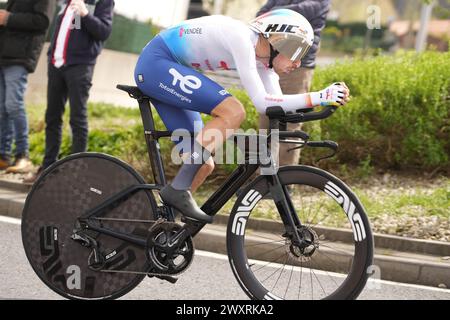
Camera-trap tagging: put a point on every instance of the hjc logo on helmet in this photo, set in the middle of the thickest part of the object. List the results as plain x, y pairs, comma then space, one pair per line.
283, 28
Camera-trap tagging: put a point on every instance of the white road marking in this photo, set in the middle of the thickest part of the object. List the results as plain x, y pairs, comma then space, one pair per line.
212, 255
10, 220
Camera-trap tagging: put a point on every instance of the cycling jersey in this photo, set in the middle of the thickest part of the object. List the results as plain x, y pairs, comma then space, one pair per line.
169, 70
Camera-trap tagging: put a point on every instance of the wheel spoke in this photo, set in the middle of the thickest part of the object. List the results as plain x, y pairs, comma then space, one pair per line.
269, 263
263, 243
289, 282
261, 255
320, 284
327, 271
301, 276
346, 253
276, 271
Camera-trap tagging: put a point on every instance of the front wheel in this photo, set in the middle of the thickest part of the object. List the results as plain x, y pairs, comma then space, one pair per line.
269, 264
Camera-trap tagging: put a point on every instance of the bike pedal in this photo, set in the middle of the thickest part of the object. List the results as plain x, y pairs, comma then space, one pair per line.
169, 279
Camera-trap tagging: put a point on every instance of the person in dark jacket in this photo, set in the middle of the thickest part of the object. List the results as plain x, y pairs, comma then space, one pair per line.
81, 29
23, 26
299, 81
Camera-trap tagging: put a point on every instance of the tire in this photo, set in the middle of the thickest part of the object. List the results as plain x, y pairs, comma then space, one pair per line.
267, 265
64, 192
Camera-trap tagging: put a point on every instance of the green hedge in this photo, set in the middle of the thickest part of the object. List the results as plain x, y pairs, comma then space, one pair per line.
399, 115
398, 118
351, 37
130, 35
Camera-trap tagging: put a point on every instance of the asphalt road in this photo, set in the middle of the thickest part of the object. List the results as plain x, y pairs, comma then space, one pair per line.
209, 278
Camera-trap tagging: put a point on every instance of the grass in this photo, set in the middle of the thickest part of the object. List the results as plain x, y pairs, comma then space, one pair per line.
415, 202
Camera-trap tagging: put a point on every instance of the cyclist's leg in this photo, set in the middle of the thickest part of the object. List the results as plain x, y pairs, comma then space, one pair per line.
159, 75
202, 174
175, 119
162, 77
227, 117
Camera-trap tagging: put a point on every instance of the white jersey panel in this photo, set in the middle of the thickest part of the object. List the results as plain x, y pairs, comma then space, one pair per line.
221, 43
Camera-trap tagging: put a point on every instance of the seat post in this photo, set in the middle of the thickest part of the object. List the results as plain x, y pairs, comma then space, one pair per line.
153, 147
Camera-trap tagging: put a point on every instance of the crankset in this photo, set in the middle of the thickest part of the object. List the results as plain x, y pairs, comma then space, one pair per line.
170, 249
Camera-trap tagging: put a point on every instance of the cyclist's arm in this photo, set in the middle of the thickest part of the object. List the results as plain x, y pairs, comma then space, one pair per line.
243, 54
334, 95
270, 79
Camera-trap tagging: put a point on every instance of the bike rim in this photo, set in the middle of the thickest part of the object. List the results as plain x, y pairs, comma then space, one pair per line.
268, 268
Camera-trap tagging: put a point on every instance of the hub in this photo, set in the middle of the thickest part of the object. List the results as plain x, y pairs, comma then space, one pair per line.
304, 250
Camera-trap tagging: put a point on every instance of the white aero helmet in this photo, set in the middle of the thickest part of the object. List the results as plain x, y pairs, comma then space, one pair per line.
288, 32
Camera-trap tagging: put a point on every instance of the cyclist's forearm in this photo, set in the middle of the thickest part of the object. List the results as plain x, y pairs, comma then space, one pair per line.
291, 102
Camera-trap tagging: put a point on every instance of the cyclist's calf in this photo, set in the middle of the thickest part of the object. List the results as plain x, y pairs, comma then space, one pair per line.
202, 174
227, 117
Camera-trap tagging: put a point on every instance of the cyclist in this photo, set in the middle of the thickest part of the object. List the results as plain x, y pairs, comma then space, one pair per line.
169, 71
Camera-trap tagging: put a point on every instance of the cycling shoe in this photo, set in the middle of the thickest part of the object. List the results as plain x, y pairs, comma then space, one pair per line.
183, 201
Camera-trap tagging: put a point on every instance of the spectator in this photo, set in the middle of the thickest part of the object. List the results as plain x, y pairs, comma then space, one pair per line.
81, 29
23, 26
299, 80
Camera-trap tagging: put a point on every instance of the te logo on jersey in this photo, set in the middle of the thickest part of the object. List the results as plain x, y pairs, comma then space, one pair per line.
185, 82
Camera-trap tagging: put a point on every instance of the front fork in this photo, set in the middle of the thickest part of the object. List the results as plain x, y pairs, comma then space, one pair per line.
280, 193
286, 209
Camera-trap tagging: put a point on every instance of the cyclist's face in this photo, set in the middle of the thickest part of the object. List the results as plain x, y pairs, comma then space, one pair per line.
282, 64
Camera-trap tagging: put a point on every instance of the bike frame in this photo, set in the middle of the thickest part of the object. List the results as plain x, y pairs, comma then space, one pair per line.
211, 207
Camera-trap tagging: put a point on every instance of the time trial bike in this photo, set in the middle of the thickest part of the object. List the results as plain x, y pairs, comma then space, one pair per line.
93, 229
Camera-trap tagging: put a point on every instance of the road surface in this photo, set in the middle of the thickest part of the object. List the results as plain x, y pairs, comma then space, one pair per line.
209, 278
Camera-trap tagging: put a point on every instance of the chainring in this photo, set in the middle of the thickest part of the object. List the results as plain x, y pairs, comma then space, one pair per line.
164, 258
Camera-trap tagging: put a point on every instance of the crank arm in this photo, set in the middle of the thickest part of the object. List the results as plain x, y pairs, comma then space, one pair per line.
165, 277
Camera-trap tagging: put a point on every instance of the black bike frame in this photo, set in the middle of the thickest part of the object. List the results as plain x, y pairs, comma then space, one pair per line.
211, 207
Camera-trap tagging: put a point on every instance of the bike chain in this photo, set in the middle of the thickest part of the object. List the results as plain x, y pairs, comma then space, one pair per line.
140, 272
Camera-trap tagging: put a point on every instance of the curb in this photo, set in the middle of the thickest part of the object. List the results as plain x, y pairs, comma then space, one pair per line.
14, 186
397, 259
12, 203
390, 242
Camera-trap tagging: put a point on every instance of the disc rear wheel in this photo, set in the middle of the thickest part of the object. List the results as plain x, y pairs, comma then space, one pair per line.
65, 192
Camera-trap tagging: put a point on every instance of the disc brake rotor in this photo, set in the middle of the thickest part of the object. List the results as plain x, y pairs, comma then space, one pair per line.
305, 251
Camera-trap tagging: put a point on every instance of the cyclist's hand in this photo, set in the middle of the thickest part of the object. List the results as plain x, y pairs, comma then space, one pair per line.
336, 95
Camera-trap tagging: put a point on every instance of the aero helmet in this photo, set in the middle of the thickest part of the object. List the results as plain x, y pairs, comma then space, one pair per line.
288, 32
